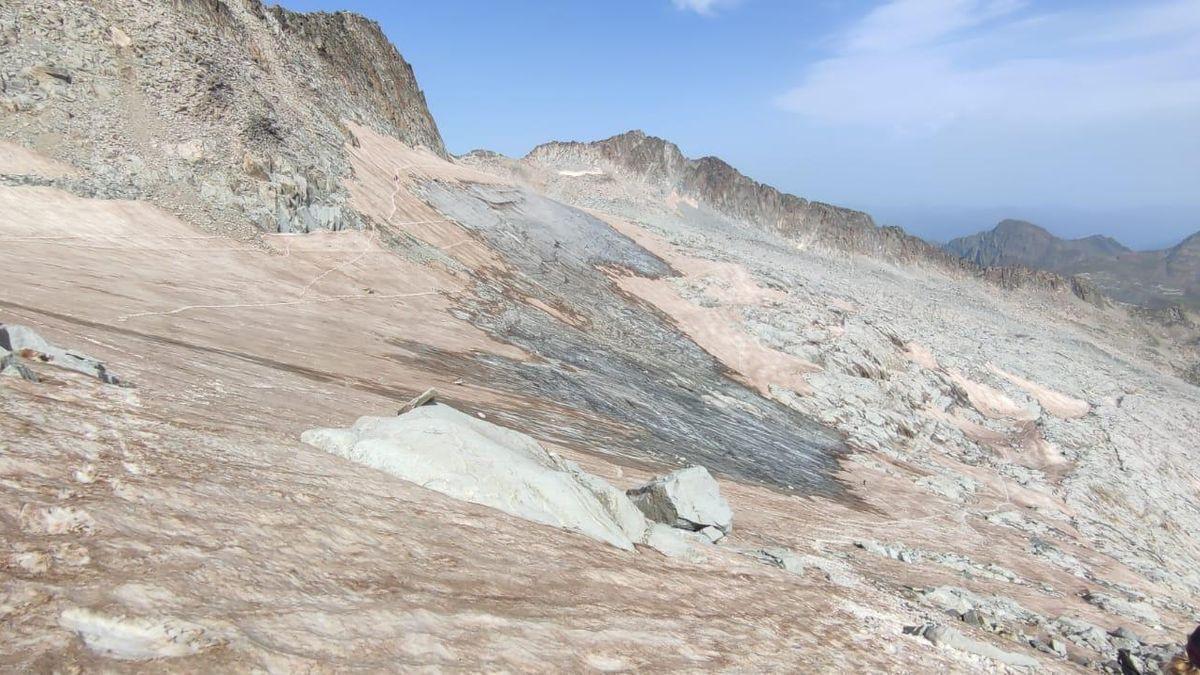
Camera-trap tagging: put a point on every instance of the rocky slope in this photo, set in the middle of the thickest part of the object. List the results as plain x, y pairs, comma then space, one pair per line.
659, 166
225, 111
710, 180
918, 468
1151, 278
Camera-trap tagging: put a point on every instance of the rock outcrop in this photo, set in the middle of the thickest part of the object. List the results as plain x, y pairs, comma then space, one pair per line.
687, 499
442, 449
225, 112
944, 636
12, 365
25, 343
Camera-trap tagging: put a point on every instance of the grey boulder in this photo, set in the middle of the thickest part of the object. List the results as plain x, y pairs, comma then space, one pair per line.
946, 637
25, 342
688, 499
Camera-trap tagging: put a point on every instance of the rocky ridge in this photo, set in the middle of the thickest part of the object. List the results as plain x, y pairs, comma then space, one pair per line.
717, 185
225, 111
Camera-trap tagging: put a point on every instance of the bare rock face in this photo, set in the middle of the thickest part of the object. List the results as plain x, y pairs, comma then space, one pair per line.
688, 499
369, 68
224, 112
442, 449
1017, 242
719, 185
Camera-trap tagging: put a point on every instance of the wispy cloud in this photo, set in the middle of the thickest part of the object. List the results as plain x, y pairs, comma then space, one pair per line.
702, 7
917, 66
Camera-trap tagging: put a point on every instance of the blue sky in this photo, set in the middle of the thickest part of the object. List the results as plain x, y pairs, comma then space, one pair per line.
941, 116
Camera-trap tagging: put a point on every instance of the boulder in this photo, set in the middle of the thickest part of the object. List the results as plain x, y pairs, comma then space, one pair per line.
688, 499
442, 449
943, 636
25, 342
1083, 634
11, 366
676, 543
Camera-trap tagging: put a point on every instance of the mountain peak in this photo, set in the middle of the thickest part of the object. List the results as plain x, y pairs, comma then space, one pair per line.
1013, 226
1126, 275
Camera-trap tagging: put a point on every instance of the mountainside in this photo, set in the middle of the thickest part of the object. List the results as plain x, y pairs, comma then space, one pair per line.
284, 387
1150, 278
225, 111
661, 169
725, 189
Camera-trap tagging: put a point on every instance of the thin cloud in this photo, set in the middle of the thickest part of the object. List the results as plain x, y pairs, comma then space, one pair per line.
917, 66
702, 7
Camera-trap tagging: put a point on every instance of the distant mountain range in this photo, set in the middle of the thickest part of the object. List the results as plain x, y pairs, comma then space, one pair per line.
1151, 278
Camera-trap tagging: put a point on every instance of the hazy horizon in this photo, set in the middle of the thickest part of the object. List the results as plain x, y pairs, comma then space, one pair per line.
940, 116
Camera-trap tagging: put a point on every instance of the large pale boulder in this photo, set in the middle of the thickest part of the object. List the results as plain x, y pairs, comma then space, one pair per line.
440, 448
688, 499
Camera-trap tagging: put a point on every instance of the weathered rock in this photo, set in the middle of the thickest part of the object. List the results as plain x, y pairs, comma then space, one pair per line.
1126, 634
25, 342
1083, 634
47, 71
619, 506
119, 38
440, 448
944, 636
688, 499
1130, 664
960, 563
781, 558
676, 543
834, 571
1132, 609
960, 602
427, 397
11, 366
